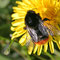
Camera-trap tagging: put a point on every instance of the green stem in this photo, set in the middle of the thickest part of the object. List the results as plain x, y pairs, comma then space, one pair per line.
39, 57
50, 56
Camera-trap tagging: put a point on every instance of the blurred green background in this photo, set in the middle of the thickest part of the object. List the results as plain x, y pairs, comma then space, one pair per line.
16, 51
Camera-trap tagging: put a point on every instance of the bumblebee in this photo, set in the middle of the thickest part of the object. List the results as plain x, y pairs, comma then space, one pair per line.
35, 27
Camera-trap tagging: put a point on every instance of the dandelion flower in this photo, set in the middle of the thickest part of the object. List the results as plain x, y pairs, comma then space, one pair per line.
47, 9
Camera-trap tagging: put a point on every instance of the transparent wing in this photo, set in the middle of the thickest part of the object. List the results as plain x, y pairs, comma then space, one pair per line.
33, 34
53, 28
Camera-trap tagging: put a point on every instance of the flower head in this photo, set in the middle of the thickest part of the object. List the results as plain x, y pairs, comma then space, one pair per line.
47, 9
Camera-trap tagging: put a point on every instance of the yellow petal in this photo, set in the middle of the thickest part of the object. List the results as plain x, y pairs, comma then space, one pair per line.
27, 2
35, 49
18, 9
18, 28
51, 46
18, 22
12, 28
22, 44
16, 16
45, 47
24, 5
39, 49
18, 34
30, 48
28, 36
22, 40
57, 40
58, 44
21, 3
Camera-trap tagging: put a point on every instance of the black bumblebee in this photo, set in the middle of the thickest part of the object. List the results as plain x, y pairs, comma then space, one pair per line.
35, 27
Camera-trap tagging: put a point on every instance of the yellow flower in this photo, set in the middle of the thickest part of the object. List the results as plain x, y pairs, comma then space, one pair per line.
47, 9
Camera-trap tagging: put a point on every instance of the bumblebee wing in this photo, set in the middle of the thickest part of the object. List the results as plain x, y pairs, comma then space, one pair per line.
33, 34
53, 28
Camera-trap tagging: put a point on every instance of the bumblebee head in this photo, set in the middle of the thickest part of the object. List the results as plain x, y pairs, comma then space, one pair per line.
32, 19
